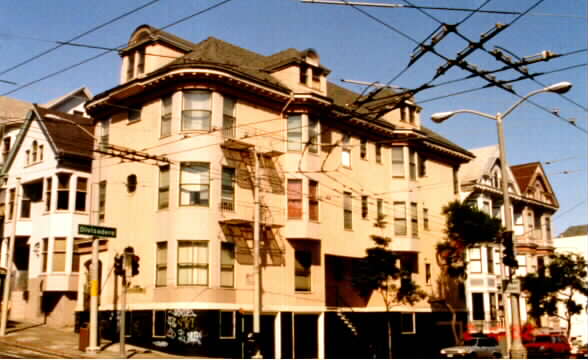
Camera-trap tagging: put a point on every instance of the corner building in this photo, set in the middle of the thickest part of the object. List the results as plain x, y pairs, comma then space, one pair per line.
189, 134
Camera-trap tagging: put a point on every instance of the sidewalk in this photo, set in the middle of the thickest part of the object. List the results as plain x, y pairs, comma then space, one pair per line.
64, 343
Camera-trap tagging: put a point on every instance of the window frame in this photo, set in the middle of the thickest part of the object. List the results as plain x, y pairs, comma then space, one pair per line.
400, 221
161, 263
166, 116
154, 333
163, 187
313, 135
378, 153
25, 205
398, 162
228, 186
229, 117
194, 264
294, 132
412, 164
414, 219
205, 109
63, 190
302, 270
59, 252
313, 200
102, 187
11, 204
346, 151
233, 335
412, 329
363, 148
206, 184
364, 207
227, 267
295, 197
475, 257
347, 210
426, 219
81, 193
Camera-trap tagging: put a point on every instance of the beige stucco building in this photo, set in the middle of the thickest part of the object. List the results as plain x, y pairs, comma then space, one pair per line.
189, 134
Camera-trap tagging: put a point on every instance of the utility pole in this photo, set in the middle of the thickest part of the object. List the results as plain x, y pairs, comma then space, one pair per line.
256, 259
10, 249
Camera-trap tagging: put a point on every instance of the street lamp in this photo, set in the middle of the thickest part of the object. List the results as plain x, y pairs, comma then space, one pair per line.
518, 350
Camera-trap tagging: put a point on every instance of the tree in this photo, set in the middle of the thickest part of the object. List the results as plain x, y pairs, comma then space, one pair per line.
378, 272
466, 227
558, 284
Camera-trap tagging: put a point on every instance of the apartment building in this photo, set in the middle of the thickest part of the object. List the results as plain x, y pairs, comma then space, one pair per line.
533, 205
195, 134
44, 194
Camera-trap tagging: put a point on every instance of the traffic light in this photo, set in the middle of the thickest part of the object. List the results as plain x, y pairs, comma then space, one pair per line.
508, 256
134, 265
118, 265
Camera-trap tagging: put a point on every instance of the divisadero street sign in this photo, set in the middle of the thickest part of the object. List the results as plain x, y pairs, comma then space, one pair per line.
96, 230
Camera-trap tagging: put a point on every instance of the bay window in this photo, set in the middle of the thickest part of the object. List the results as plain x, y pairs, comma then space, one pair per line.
397, 161
163, 193
313, 135
229, 118
63, 191
294, 199
166, 116
192, 262
400, 218
294, 132
81, 191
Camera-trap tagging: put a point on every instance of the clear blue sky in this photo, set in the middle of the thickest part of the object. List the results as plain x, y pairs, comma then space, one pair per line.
354, 46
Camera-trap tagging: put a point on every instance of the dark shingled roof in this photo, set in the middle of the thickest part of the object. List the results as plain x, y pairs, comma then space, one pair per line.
577, 230
524, 174
69, 139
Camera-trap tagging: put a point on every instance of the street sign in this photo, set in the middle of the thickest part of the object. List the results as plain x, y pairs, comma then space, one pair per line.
513, 286
96, 230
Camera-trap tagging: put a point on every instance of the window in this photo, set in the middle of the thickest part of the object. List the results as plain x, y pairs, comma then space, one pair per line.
496, 211
294, 132
11, 202
130, 66
313, 135
140, 61
347, 211
104, 132
486, 207
346, 151
407, 323
426, 219
48, 191
364, 207
25, 206
303, 261
194, 184
414, 219
2, 202
5, 147
397, 161
548, 228
294, 199
34, 151
227, 325
28, 156
422, 164
192, 262
380, 209
45, 260
428, 274
455, 181
228, 189
59, 253
478, 306
313, 201
363, 148
227, 265
161, 264
475, 264
490, 259
303, 74
102, 201
493, 311
134, 115
159, 323
81, 191
379, 153
41, 148
229, 117
196, 110
403, 113
163, 193
75, 260
400, 218
63, 191
412, 164
166, 116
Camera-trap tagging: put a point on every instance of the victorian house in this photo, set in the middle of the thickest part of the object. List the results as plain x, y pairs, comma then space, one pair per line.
533, 205
45, 174
196, 135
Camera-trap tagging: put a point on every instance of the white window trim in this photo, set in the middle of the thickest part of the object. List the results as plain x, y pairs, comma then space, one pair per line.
413, 323
220, 319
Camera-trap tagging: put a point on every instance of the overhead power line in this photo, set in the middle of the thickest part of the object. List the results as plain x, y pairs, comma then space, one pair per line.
200, 12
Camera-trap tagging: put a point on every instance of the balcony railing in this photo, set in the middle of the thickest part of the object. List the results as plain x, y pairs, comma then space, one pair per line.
243, 213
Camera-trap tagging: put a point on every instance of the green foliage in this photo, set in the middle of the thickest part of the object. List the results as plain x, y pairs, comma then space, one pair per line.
564, 276
377, 270
466, 227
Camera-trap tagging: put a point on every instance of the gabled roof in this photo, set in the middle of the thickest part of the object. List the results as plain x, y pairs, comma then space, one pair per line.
147, 33
485, 159
13, 110
527, 174
82, 92
69, 135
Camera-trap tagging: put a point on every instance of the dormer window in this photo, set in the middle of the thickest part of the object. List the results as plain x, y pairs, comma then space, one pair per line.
131, 66
140, 61
5, 147
303, 74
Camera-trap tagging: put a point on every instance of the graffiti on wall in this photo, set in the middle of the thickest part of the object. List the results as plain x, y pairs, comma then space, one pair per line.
182, 326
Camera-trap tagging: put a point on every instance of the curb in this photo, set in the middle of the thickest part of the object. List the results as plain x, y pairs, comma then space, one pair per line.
43, 350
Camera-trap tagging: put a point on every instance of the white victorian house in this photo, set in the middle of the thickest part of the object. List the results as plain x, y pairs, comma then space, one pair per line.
45, 196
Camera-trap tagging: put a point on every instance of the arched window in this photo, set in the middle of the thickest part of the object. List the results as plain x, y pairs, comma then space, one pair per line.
40, 152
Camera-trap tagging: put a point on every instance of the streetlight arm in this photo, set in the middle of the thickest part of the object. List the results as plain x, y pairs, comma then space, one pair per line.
521, 100
473, 112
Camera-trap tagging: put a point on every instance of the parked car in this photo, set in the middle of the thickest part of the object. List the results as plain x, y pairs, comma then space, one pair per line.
477, 347
548, 346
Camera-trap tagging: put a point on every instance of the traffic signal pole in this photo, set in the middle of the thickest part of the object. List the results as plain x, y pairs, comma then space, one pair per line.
123, 304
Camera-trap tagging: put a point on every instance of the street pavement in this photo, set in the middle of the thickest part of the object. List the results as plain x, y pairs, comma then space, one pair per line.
64, 343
